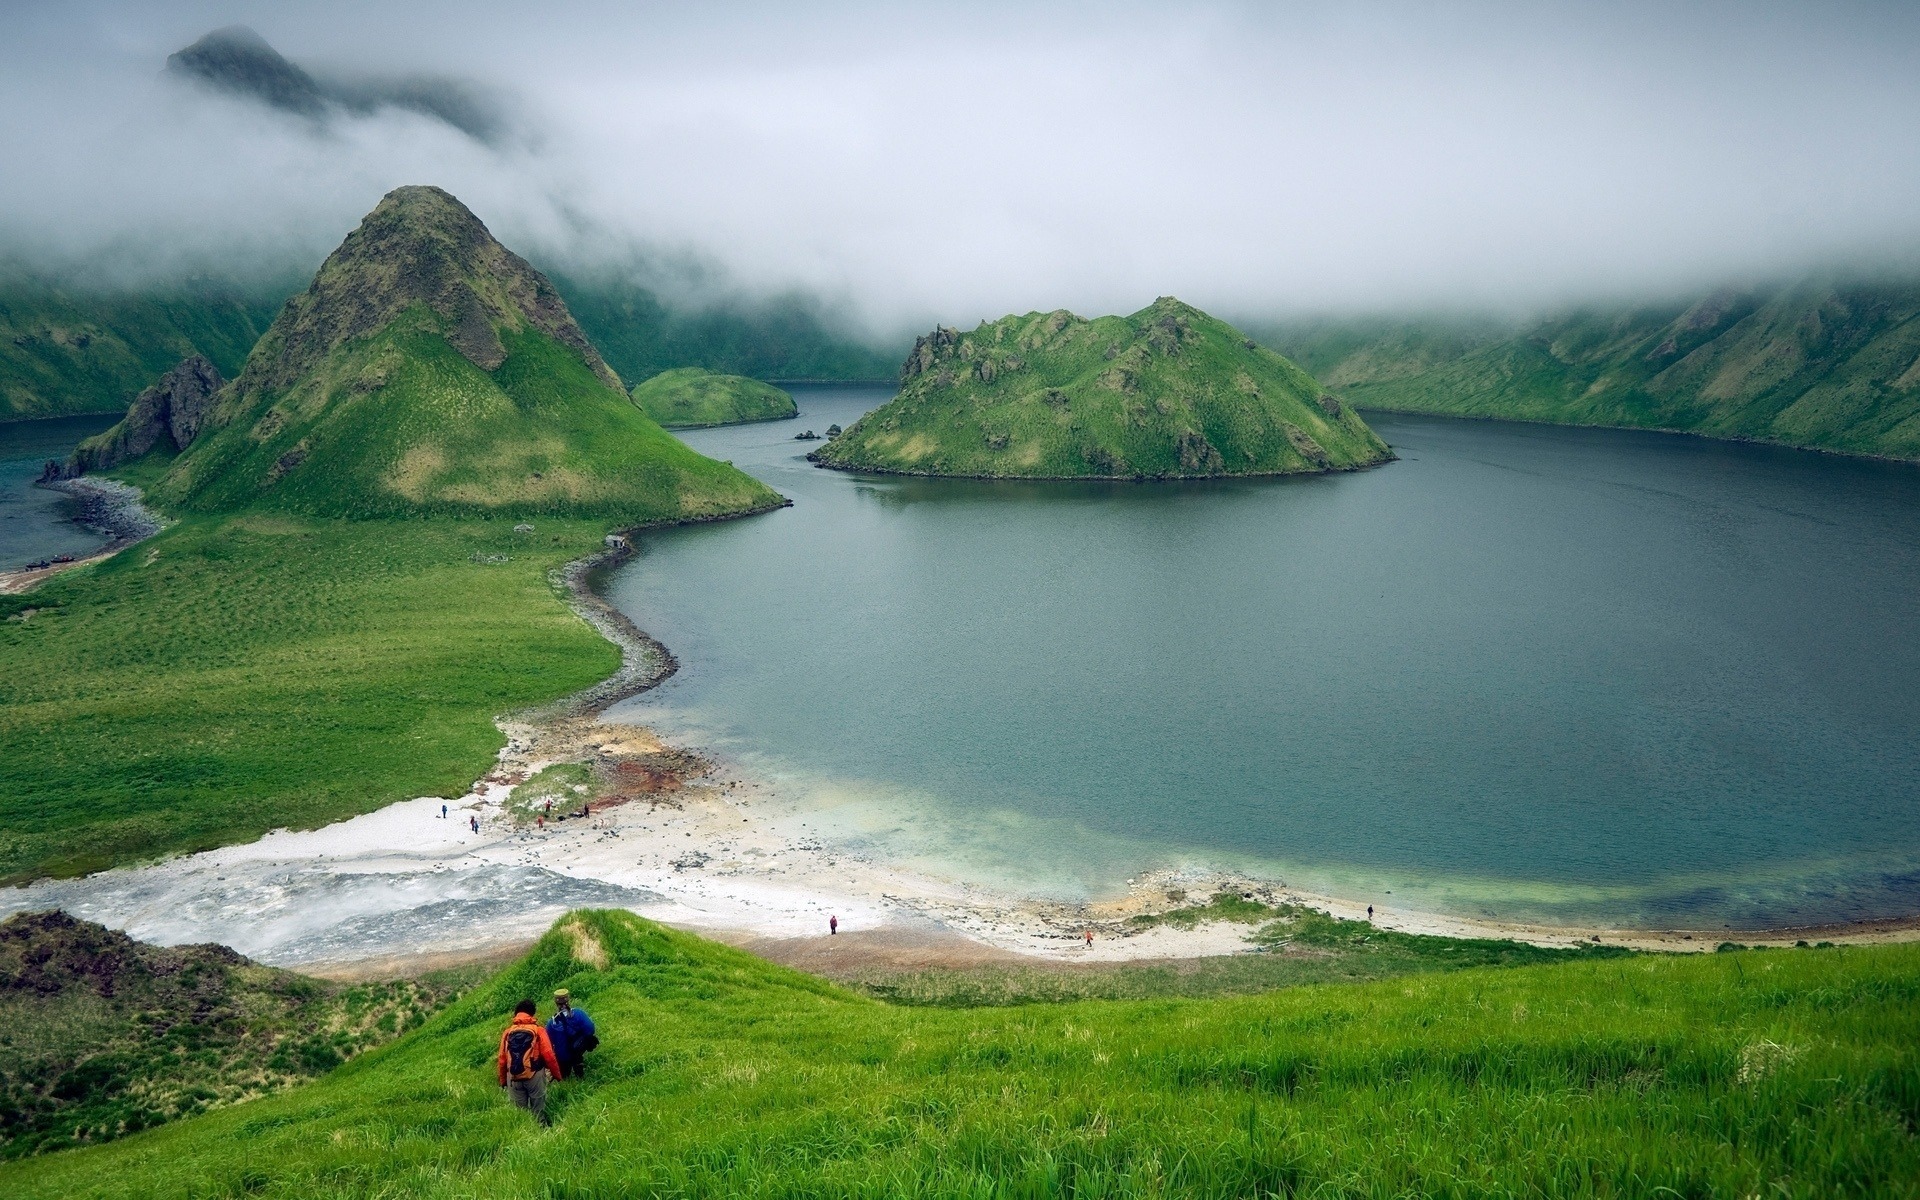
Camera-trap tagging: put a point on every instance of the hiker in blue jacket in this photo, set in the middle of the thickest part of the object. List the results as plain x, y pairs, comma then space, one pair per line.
571, 1032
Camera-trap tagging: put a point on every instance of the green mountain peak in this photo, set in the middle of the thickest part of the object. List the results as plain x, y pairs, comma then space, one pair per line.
1168, 392
429, 368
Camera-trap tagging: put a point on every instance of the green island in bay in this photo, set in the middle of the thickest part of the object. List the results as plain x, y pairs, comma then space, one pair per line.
1167, 393
695, 398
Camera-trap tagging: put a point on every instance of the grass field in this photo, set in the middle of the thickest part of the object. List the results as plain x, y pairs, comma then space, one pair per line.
240, 673
1779, 1073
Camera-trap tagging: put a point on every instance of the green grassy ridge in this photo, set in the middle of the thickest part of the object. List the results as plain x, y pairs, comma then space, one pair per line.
104, 1036
402, 423
66, 349
1817, 364
1167, 392
244, 672
694, 398
1785, 1073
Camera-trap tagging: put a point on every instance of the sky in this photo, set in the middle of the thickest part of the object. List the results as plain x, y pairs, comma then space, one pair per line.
952, 162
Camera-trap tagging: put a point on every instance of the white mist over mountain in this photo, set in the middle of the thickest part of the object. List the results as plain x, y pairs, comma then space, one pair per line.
963, 160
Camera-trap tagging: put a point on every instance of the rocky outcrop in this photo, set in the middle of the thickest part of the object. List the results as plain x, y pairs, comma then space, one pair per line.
168, 415
419, 246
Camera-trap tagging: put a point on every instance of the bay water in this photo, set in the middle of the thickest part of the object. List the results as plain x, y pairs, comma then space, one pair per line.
1524, 672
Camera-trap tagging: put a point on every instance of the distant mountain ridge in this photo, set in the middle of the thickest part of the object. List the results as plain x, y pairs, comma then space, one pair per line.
1168, 392
1819, 364
66, 349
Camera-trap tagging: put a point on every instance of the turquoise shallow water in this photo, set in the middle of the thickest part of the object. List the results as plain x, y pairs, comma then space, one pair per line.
1525, 672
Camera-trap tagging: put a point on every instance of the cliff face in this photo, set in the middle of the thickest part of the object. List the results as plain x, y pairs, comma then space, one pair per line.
168, 416
1168, 392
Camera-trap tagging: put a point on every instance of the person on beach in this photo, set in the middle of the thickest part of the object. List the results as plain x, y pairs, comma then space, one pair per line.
527, 1062
833, 925
475, 823
443, 812
1089, 939
571, 1034
1369, 914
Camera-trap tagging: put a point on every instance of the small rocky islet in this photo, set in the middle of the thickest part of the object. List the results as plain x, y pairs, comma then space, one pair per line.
1166, 393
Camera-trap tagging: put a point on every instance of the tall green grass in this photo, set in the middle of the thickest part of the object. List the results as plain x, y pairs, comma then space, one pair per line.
1783, 1073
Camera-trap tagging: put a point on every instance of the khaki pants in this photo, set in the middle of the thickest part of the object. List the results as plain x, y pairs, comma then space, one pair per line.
531, 1094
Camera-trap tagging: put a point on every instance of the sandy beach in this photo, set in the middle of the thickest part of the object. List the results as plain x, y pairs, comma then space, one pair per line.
688, 839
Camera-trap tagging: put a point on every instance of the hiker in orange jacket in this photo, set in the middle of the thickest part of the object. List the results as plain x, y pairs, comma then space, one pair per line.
527, 1062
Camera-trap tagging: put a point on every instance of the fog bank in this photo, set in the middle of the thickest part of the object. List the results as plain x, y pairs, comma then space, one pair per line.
959, 161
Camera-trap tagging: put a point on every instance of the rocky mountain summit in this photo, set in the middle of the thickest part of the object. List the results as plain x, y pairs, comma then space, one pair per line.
1168, 392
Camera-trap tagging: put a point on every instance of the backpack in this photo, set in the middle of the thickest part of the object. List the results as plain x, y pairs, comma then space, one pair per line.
523, 1053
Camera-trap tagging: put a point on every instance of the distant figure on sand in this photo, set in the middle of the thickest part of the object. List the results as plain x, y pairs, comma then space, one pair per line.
475, 822
1089, 939
572, 1035
527, 1062
833, 925
443, 812
1369, 912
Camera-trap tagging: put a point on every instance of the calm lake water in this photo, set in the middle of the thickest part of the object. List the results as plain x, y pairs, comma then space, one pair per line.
34, 522
1525, 672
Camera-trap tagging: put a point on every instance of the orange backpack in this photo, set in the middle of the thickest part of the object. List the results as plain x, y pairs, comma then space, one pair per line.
523, 1052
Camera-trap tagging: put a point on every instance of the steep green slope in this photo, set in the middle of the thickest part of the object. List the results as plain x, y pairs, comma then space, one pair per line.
105, 1036
1786, 1072
71, 350
1821, 365
1168, 392
692, 397
788, 337
430, 369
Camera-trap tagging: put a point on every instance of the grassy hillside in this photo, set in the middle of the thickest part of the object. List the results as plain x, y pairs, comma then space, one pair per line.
788, 337
428, 368
692, 397
539, 434
239, 673
105, 1036
1778, 1073
72, 350
1821, 365
1168, 392
266, 663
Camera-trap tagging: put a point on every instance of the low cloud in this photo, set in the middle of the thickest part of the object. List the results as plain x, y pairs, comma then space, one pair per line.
240, 62
961, 161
